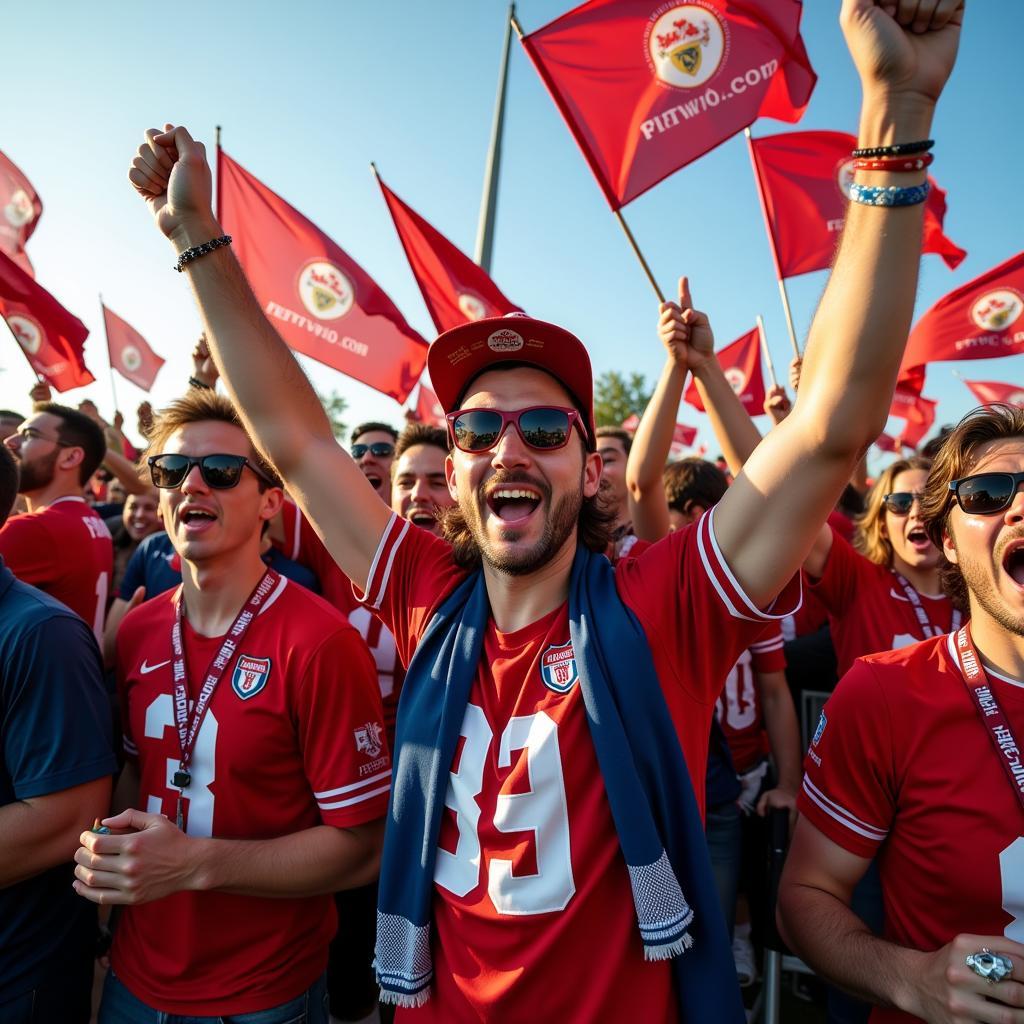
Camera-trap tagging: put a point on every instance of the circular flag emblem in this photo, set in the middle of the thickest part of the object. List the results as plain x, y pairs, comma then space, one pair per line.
737, 379
131, 358
26, 332
325, 291
505, 341
18, 212
685, 45
997, 310
472, 308
1017, 398
844, 176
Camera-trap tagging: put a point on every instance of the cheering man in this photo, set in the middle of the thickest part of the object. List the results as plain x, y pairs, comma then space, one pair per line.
551, 708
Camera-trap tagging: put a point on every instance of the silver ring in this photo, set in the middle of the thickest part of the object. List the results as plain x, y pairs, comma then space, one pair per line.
993, 967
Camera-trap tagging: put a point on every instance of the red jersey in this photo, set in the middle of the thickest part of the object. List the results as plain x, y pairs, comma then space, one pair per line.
293, 738
868, 608
66, 550
739, 707
880, 782
529, 868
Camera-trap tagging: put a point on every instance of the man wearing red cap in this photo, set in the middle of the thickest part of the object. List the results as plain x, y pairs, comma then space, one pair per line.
541, 846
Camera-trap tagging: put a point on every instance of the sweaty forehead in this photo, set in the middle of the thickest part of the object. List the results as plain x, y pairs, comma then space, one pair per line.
1005, 454
421, 460
209, 437
516, 388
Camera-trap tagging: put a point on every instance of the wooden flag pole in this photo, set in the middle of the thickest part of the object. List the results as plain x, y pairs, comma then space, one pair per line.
639, 255
110, 362
764, 349
216, 194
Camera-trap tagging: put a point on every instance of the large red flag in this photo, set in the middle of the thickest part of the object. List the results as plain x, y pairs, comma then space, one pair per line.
646, 86
741, 362
319, 299
455, 289
428, 409
129, 351
20, 209
989, 392
804, 179
979, 320
51, 337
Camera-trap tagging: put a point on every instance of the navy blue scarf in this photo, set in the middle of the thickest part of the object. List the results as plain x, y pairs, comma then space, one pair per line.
644, 772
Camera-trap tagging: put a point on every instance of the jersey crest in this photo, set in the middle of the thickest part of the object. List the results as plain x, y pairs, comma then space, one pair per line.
822, 722
558, 667
369, 738
250, 676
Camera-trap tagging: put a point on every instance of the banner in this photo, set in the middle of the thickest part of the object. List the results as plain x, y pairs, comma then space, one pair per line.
428, 409
989, 392
910, 406
20, 210
317, 297
455, 289
129, 352
982, 319
647, 86
804, 179
914, 432
887, 443
683, 437
51, 338
741, 363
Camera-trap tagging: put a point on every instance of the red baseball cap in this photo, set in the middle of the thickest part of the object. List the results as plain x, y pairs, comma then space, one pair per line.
466, 351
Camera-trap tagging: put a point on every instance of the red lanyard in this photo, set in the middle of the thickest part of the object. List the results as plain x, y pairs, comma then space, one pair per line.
922, 616
992, 717
188, 727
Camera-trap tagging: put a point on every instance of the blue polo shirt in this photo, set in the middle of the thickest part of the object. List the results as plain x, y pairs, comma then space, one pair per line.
56, 733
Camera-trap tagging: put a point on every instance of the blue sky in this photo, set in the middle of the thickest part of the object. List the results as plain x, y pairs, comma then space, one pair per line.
310, 92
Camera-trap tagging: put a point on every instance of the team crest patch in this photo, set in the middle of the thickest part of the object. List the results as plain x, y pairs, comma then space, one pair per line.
250, 676
558, 667
822, 722
368, 738
685, 43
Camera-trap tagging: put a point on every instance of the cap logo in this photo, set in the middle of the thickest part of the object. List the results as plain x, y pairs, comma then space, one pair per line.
505, 340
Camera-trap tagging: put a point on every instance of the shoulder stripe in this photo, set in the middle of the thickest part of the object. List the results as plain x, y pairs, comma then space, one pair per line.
843, 816
383, 560
355, 785
278, 591
335, 804
296, 534
775, 644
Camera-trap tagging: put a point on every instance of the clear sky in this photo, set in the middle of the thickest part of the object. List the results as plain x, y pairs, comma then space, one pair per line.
310, 91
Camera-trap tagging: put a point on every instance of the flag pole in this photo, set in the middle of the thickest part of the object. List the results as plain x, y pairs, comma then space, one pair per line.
639, 255
764, 349
492, 170
216, 194
771, 243
110, 362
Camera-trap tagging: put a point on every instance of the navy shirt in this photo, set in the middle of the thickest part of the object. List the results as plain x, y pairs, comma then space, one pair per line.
154, 566
56, 733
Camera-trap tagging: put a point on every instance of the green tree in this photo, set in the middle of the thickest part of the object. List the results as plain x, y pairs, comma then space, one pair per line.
335, 406
615, 397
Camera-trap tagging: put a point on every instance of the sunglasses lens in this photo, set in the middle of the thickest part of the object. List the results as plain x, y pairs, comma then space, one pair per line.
222, 471
477, 430
359, 450
168, 470
381, 449
985, 493
899, 504
545, 428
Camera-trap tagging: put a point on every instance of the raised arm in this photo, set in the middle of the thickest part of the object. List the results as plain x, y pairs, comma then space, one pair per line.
793, 479
277, 403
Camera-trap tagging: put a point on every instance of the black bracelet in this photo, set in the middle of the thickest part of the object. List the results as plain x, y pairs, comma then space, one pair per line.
197, 383
897, 149
200, 250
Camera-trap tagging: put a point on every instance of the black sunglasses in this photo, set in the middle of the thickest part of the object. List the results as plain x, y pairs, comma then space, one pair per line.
899, 503
220, 472
985, 494
543, 427
379, 450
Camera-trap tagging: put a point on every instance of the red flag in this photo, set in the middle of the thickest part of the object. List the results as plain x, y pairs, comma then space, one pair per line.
428, 408
887, 443
682, 438
912, 407
741, 362
804, 180
646, 87
631, 422
319, 299
979, 320
51, 338
455, 289
129, 352
913, 433
989, 391
20, 209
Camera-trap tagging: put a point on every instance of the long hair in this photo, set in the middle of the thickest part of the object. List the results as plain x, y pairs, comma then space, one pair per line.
870, 539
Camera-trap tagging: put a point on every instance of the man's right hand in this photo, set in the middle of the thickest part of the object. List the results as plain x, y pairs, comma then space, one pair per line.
686, 332
203, 367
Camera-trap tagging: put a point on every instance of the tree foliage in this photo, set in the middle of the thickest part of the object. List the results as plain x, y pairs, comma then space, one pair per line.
616, 397
335, 406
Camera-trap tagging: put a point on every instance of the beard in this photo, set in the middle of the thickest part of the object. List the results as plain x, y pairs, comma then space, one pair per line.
37, 474
981, 587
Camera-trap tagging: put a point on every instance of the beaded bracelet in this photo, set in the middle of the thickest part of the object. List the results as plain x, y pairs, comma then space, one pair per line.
195, 382
896, 149
889, 195
894, 165
200, 250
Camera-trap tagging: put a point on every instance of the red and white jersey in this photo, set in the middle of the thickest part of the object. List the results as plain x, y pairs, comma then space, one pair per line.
739, 709
304, 546
66, 550
529, 868
868, 608
293, 738
881, 781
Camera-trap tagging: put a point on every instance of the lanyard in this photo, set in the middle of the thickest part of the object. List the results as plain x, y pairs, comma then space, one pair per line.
992, 717
188, 726
922, 616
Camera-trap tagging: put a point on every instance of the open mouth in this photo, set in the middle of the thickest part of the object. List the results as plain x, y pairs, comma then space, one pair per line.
196, 518
375, 480
918, 539
513, 504
422, 517
1013, 562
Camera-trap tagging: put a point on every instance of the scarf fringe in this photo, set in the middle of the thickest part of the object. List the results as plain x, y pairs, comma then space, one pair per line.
669, 950
405, 1000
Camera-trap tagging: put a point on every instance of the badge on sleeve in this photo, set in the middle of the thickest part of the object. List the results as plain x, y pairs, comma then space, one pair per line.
369, 738
558, 667
250, 676
822, 722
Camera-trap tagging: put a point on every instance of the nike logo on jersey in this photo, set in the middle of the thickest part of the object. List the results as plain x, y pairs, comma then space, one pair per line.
145, 669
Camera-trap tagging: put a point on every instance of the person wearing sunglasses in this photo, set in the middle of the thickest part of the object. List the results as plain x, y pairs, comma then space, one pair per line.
256, 770
521, 830
373, 448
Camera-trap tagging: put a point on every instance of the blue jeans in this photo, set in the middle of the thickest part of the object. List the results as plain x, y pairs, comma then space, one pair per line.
119, 1006
724, 831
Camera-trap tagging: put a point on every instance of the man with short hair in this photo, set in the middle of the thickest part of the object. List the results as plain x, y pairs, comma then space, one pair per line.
613, 444
257, 769
60, 544
373, 448
555, 716
419, 487
56, 760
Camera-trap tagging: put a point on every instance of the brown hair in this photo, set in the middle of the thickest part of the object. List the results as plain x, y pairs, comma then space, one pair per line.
201, 405
955, 460
76, 430
619, 434
870, 539
420, 433
693, 480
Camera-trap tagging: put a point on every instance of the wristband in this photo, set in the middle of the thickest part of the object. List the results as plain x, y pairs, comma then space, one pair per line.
195, 382
896, 149
200, 250
889, 195
894, 165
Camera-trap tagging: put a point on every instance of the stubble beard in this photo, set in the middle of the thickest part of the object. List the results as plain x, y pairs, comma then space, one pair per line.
37, 474
982, 588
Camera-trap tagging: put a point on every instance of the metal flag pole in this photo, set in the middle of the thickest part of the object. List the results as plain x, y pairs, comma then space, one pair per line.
771, 242
216, 194
492, 171
764, 349
110, 362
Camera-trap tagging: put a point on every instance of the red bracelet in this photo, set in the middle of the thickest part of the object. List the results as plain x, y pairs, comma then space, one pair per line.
894, 164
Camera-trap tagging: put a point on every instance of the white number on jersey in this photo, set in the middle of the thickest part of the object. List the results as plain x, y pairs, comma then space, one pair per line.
1011, 870
382, 646
102, 585
541, 810
739, 696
